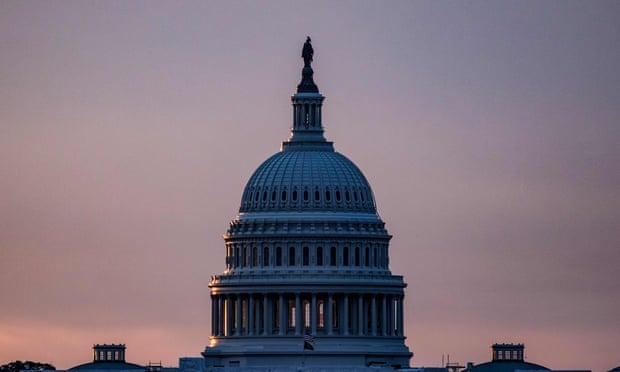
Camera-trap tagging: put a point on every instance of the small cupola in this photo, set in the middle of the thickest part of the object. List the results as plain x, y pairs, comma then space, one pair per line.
108, 353
507, 352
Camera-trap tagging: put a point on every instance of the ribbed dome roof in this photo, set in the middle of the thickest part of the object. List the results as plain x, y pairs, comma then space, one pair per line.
307, 180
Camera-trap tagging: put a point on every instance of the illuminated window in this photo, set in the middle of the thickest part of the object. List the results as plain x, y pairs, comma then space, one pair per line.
306, 305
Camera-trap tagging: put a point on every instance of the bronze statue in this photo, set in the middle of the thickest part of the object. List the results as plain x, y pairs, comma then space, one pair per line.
307, 52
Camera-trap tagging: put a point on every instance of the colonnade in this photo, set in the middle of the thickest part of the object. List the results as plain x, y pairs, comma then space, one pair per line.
279, 314
307, 114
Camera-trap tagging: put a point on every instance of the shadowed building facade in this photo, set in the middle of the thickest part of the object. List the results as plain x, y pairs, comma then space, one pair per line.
307, 254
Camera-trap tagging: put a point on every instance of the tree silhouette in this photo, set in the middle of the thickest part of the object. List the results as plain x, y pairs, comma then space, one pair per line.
28, 365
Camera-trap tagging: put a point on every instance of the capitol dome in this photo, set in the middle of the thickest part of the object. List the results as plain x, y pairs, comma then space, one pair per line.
307, 280
301, 180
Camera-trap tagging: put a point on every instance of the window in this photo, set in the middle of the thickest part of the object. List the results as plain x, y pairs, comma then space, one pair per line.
265, 256
255, 257
319, 256
376, 262
292, 313
321, 306
306, 256
278, 256
317, 195
273, 195
332, 256
366, 257
328, 196
306, 195
284, 195
345, 256
357, 256
337, 195
306, 306
294, 195
347, 197
291, 256
335, 314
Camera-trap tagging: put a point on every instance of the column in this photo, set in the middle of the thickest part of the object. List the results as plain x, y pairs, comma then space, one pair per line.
228, 316
298, 314
250, 314
238, 303
222, 315
373, 314
313, 314
282, 315
346, 314
399, 311
384, 316
330, 314
266, 324
213, 315
360, 314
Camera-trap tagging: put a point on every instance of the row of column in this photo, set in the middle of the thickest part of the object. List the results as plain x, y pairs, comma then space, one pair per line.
307, 114
324, 313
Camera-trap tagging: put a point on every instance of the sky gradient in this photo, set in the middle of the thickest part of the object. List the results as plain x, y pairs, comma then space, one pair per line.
489, 131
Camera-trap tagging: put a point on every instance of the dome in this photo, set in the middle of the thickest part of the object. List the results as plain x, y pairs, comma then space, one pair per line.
307, 180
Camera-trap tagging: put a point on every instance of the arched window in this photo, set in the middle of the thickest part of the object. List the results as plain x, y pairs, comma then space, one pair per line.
337, 195
283, 195
294, 195
332, 256
255, 257
265, 256
345, 256
328, 196
367, 257
375, 258
291, 256
347, 197
306, 196
357, 256
264, 195
306, 256
273, 195
319, 256
278, 256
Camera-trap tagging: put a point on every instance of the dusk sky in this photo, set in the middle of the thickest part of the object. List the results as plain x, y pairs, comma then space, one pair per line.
489, 131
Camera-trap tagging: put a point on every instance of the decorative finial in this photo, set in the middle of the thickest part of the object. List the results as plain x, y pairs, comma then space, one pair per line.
307, 52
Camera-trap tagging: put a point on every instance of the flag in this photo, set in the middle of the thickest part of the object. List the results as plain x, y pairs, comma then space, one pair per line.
308, 340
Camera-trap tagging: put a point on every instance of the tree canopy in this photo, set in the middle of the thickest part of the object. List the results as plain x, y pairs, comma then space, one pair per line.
18, 365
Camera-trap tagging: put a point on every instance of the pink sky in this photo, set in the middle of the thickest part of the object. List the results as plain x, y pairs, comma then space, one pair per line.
489, 132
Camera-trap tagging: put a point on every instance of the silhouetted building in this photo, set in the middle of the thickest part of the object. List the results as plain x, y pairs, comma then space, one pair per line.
508, 358
109, 357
